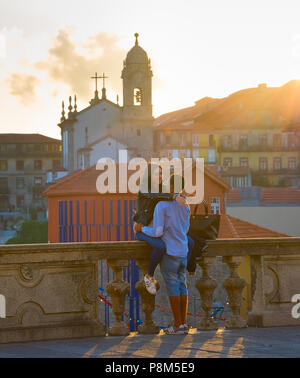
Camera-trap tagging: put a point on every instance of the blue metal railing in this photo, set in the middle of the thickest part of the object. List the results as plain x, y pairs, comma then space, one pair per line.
103, 220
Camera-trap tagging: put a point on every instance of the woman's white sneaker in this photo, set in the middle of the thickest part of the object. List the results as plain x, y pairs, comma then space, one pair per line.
150, 284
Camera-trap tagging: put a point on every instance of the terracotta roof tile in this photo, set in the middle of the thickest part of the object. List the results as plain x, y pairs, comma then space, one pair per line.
234, 195
26, 138
231, 227
281, 195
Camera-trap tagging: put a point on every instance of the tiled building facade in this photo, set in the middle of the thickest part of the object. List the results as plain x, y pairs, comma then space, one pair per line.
24, 161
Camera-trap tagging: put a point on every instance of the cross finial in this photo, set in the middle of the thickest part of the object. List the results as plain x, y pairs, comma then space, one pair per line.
96, 78
136, 38
103, 77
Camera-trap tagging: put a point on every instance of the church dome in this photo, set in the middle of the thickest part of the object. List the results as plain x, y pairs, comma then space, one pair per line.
137, 54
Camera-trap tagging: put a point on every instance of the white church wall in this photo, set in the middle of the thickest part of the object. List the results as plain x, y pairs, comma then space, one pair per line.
96, 119
108, 147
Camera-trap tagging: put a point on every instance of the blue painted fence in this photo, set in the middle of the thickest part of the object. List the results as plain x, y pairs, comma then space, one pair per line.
103, 220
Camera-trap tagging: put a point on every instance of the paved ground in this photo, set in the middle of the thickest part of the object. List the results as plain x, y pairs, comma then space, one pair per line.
249, 342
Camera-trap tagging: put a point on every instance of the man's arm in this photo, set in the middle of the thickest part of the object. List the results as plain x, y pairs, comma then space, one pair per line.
158, 223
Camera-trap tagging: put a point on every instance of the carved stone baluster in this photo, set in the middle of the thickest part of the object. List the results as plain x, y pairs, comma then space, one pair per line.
234, 286
148, 303
206, 287
117, 290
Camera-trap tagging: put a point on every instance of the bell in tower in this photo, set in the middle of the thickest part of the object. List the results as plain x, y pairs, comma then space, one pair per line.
137, 84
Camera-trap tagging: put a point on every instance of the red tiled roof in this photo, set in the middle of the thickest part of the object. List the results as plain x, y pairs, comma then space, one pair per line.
26, 138
234, 195
186, 114
281, 195
231, 227
252, 107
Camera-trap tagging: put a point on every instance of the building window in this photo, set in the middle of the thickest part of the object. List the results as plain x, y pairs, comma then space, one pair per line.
37, 165
20, 202
55, 164
20, 165
175, 154
227, 141
243, 141
3, 185
181, 139
20, 183
215, 205
211, 156
162, 137
240, 182
196, 140
38, 181
263, 164
137, 97
37, 147
3, 148
211, 140
277, 164
244, 162
291, 140
184, 154
3, 165
292, 163
227, 162
4, 204
196, 154
263, 140
277, 140
138, 132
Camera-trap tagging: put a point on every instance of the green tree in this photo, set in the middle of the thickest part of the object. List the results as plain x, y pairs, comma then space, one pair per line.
31, 232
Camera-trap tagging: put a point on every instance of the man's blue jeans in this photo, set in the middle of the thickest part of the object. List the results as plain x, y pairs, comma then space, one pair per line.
158, 250
173, 269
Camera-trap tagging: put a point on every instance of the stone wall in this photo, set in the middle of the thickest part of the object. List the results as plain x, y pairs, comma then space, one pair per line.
51, 289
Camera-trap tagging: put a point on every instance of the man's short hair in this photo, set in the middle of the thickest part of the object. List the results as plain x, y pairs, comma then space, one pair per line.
177, 181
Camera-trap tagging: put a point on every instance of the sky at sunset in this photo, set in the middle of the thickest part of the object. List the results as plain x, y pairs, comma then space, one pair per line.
50, 49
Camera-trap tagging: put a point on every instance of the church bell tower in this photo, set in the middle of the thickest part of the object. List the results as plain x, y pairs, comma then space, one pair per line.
137, 84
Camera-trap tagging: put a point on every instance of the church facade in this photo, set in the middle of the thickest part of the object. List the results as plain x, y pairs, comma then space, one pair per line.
105, 127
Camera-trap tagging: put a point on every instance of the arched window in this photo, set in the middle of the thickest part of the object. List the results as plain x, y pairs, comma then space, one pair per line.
137, 97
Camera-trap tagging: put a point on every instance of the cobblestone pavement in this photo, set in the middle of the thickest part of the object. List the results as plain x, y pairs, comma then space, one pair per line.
248, 342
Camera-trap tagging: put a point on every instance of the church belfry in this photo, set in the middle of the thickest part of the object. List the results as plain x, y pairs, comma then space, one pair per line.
137, 84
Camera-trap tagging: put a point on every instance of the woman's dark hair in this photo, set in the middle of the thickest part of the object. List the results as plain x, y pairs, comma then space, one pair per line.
147, 178
177, 180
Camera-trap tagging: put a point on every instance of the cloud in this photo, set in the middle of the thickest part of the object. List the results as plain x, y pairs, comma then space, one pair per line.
74, 63
23, 86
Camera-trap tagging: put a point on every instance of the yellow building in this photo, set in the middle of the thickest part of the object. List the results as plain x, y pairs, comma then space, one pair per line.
253, 129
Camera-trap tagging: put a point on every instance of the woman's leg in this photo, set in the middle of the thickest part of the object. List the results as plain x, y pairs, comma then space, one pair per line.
156, 253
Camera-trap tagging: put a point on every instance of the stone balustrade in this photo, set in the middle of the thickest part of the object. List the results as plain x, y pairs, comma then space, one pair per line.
51, 289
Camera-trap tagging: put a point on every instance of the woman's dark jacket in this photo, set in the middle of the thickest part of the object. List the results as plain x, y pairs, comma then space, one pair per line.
146, 203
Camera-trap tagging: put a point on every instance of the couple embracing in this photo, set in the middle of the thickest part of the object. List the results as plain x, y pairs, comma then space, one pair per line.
162, 220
